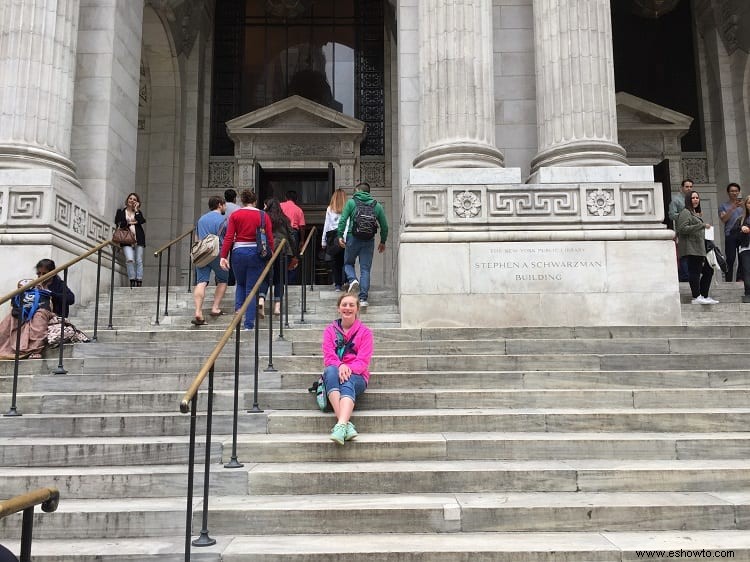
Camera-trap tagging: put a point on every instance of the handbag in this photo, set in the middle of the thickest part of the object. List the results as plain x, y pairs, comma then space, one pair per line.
205, 250
261, 238
123, 236
332, 245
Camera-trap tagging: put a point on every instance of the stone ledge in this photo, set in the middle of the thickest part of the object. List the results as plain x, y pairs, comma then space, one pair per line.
592, 174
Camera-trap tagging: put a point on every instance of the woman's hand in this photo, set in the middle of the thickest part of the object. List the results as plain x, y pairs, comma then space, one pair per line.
707, 226
224, 264
745, 229
344, 373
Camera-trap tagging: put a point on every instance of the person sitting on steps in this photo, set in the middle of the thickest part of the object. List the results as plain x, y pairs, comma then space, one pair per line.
347, 349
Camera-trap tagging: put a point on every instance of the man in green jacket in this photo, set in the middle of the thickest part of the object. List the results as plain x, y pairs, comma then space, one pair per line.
356, 233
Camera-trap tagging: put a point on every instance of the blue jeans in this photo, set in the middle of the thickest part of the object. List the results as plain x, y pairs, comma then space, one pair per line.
351, 389
134, 261
365, 250
247, 266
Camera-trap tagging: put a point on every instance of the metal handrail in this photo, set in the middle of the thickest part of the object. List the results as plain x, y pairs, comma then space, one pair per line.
158, 254
60, 370
47, 497
303, 271
189, 403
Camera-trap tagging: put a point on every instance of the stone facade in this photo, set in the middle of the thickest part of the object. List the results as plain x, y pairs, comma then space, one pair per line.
112, 97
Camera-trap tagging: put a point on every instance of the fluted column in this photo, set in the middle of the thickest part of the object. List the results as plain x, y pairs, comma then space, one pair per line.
575, 84
458, 105
37, 71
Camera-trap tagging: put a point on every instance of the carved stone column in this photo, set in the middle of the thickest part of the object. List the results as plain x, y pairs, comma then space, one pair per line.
458, 105
37, 66
575, 85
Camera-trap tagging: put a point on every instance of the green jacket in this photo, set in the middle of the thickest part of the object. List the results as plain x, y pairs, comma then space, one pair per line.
348, 211
691, 231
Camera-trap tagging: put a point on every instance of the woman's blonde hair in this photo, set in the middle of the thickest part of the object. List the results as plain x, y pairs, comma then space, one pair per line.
338, 200
744, 209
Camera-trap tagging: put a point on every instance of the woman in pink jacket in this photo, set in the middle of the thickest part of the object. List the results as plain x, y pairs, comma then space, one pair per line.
347, 349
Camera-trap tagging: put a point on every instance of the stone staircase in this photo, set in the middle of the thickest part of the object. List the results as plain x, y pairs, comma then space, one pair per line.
522, 444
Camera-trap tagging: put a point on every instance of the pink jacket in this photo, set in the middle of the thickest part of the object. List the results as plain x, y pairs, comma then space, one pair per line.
358, 359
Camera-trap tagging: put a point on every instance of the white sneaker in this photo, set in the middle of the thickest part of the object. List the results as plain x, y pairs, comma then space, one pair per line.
353, 287
709, 300
698, 300
363, 304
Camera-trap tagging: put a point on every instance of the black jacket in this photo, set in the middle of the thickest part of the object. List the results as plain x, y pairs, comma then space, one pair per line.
56, 287
121, 221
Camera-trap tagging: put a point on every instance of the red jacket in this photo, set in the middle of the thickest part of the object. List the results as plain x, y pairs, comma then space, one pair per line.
241, 228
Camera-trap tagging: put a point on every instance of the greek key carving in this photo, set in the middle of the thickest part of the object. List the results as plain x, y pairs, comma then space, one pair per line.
430, 204
98, 230
25, 205
637, 202
63, 211
545, 203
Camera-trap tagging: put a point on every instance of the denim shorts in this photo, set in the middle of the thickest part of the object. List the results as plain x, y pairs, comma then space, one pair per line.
203, 274
352, 388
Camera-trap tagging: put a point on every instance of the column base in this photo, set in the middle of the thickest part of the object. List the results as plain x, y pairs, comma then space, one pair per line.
17, 156
460, 155
581, 153
591, 174
539, 283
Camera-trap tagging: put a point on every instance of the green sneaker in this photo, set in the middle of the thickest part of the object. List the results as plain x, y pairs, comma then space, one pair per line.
339, 433
351, 432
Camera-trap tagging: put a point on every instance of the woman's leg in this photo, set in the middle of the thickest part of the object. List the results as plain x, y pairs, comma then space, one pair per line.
730, 247
129, 261
139, 262
707, 273
338, 269
278, 279
695, 263
255, 267
239, 266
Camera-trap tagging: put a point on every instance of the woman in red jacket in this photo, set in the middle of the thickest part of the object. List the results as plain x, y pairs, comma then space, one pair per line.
246, 263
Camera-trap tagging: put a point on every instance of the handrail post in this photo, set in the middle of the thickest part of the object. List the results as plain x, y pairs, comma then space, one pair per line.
98, 281
13, 410
204, 539
313, 259
285, 304
166, 288
158, 290
60, 370
27, 528
270, 368
303, 287
112, 286
233, 462
191, 477
283, 295
256, 409
190, 261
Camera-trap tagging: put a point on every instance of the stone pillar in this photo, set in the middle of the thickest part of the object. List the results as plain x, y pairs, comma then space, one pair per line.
575, 84
458, 105
37, 65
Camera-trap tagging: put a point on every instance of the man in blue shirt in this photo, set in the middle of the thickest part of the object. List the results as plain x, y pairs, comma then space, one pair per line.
729, 213
213, 222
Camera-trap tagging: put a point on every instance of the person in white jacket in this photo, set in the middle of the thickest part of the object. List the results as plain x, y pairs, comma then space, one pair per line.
334, 253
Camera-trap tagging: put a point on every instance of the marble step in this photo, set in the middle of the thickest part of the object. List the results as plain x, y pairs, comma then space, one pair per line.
495, 419
106, 482
463, 476
152, 401
457, 476
398, 547
389, 513
519, 445
103, 451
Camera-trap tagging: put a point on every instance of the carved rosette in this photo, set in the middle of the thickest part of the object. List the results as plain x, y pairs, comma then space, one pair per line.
79, 220
221, 174
600, 202
467, 205
373, 173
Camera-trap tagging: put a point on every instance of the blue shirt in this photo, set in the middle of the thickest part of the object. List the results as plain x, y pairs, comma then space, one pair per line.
733, 218
213, 222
